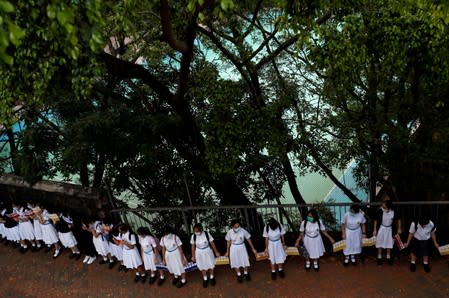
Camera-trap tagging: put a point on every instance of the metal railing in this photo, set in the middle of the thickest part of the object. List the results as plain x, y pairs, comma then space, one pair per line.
216, 219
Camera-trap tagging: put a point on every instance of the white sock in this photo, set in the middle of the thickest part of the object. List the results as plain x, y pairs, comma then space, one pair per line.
161, 277
379, 256
280, 269
183, 280
388, 256
204, 277
137, 273
238, 274
413, 262
211, 276
425, 263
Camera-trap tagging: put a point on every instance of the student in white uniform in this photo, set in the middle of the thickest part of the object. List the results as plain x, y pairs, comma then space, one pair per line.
2, 225
236, 249
353, 231
86, 239
64, 227
115, 249
204, 252
12, 227
386, 222
106, 229
173, 256
421, 233
310, 232
26, 229
100, 241
131, 256
37, 229
275, 246
49, 232
150, 254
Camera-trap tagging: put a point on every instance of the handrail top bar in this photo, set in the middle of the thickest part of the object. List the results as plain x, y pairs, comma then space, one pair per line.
188, 208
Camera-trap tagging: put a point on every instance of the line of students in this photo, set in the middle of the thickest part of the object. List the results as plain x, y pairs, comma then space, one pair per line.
142, 252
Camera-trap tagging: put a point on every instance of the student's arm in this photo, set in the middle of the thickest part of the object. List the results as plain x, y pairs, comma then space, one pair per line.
251, 245
193, 251
301, 235
375, 228
399, 228
409, 238
228, 246
129, 245
181, 252
214, 248
434, 239
343, 231
163, 255
328, 236
363, 230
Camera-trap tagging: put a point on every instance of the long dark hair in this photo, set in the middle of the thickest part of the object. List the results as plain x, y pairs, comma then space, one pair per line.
314, 214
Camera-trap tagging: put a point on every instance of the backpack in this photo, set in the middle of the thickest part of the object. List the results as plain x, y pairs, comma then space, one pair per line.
207, 237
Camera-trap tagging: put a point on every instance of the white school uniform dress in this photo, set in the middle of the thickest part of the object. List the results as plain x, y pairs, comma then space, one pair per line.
276, 252
2, 230
238, 255
26, 229
312, 238
171, 242
384, 237
116, 250
49, 234
37, 229
353, 230
101, 243
149, 247
205, 258
131, 256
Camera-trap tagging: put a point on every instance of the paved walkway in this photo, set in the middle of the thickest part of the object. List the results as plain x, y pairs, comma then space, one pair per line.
38, 275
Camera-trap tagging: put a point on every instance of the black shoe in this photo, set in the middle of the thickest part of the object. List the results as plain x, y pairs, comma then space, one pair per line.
121, 268
160, 281
56, 254
47, 249
136, 278
102, 262
205, 283
23, 249
427, 268
125, 269
111, 265
316, 267
353, 262
180, 284
38, 248
412, 267
77, 256
72, 255
379, 261
152, 279
281, 273
273, 275
175, 281
346, 262
213, 282
239, 278
390, 261
143, 279
307, 266
247, 277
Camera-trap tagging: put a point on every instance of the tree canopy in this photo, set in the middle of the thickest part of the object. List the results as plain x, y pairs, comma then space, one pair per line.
227, 97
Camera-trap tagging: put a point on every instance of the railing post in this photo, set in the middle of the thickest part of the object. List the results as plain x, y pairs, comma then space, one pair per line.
186, 223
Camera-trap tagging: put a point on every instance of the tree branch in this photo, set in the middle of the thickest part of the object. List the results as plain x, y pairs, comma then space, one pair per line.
167, 30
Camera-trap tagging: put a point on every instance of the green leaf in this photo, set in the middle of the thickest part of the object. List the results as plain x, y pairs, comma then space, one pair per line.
6, 6
15, 33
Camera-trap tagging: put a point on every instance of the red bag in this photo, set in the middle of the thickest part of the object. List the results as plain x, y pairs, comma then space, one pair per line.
398, 242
